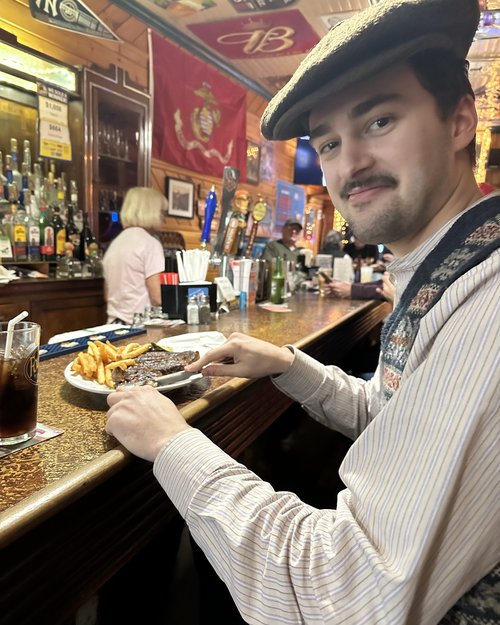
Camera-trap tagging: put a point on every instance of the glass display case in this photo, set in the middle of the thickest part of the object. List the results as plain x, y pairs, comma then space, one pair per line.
118, 147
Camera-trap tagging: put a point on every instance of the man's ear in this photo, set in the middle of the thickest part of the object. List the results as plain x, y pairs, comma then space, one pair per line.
464, 122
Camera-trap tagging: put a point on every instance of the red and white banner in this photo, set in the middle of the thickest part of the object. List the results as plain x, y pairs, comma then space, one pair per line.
199, 119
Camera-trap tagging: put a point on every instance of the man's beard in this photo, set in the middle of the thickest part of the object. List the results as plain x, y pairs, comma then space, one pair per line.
385, 223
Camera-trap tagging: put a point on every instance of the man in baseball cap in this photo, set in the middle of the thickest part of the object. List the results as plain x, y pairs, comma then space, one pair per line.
413, 539
286, 248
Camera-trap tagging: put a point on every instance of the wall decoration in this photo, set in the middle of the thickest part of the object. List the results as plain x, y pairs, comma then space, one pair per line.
199, 120
180, 194
273, 34
253, 162
267, 161
290, 203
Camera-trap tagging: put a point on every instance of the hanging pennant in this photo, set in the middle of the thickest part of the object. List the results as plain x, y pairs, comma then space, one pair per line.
71, 15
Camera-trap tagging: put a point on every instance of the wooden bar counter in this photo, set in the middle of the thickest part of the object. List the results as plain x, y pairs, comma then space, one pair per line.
76, 508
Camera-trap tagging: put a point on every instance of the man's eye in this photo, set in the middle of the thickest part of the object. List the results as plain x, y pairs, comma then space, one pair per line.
328, 147
381, 122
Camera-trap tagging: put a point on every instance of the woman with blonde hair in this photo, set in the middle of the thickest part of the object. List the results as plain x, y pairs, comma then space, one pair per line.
134, 260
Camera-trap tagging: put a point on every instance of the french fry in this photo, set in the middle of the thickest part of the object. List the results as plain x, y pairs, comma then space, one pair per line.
101, 377
138, 351
129, 348
111, 351
121, 364
107, 375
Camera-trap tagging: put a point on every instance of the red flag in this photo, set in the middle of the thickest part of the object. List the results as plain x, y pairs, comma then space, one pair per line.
199, 119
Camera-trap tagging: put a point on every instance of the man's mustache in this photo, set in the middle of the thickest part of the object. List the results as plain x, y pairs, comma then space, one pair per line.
381, 180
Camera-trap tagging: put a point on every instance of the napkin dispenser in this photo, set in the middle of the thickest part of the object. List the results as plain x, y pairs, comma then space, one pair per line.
174, 297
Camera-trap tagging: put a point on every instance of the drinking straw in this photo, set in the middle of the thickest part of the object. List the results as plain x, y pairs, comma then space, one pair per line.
10, 332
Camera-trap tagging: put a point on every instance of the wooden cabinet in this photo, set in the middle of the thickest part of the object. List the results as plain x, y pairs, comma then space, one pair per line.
57, 305
118, 146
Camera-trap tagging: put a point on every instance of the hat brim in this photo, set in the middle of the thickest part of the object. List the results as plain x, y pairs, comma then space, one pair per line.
367, 43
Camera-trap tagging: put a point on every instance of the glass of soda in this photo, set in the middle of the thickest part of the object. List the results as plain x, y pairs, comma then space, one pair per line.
19, 383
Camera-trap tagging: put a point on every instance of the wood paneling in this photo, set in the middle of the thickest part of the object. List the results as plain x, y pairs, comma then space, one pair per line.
130, 53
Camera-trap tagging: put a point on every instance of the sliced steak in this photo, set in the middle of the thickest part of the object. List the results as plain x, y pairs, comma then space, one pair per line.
152, 365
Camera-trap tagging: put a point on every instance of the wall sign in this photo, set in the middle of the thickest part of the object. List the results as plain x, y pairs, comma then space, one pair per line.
53, 129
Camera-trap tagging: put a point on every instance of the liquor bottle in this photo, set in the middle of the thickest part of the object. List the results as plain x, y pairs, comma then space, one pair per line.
59, 231
68, 267
4, 200
20, 239
47, 244
37, 189
77, 212
277, 282
86, 238
72, 232
5, 242
32, 229
9, 175
15, 163
27, 153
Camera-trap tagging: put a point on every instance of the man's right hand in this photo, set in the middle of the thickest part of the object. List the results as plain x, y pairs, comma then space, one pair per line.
243, 356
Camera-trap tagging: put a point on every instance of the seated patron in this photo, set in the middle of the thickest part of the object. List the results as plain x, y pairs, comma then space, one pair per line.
286, 247
383, 289
413, 537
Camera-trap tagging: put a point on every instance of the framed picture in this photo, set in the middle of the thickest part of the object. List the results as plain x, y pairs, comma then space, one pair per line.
180, 195
253, 162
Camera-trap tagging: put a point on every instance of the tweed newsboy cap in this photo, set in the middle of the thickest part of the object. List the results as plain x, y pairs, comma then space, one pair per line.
359, 47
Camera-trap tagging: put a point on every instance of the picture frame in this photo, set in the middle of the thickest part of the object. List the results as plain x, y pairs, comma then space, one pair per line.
253, 162
180, 195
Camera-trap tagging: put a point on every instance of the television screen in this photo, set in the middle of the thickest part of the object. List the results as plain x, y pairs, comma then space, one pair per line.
307, 169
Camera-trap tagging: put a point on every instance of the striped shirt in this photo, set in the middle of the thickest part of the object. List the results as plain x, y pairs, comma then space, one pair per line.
417, 525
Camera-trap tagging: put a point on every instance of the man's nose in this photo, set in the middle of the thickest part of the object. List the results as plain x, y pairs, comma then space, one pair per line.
355, 158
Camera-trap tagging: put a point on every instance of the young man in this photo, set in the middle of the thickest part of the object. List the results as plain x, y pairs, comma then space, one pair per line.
286, 247
414, 538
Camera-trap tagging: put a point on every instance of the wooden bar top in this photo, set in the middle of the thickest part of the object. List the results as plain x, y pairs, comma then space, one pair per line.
45, 476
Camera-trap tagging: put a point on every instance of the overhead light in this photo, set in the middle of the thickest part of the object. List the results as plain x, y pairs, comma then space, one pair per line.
19, 64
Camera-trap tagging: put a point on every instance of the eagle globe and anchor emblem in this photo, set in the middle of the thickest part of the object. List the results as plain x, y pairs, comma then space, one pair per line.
204, 118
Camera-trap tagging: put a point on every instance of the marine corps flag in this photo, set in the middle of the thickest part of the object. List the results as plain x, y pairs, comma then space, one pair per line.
199, 119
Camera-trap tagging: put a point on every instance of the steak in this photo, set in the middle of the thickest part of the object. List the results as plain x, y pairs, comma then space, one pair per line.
152, 365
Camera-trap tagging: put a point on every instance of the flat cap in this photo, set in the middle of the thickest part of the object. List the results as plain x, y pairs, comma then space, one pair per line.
359, 47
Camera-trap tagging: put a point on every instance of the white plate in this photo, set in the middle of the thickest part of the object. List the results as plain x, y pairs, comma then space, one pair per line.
196, 341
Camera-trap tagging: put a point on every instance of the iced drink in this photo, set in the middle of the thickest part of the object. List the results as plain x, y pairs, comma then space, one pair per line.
19, 384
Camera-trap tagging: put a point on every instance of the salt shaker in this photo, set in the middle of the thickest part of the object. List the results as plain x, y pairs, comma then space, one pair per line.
193, 312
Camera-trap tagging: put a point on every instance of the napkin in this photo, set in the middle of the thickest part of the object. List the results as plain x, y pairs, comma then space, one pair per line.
6, 275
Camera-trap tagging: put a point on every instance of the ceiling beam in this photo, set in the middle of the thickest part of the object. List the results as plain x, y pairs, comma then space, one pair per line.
151, 19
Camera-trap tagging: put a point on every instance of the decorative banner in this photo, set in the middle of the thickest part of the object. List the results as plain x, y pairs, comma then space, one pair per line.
259, 37
199, 120
290, 203
53, 129
71, 15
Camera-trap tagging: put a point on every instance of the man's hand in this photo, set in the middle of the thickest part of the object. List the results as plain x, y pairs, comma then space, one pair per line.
243, 356
339, 288
143, 420
388, 289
